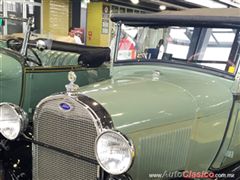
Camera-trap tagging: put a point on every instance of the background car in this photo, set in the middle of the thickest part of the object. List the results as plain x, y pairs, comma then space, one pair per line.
27, 78
33, 68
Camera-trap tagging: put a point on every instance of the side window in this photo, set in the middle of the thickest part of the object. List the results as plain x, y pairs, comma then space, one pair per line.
217, 46
212, 47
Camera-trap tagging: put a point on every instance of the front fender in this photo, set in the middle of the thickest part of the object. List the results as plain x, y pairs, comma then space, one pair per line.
11, 77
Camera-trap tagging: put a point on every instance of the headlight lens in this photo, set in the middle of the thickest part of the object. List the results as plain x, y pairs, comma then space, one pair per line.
114, 152
13, 120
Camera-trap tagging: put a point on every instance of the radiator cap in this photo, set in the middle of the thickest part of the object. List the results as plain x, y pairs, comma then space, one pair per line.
72, 87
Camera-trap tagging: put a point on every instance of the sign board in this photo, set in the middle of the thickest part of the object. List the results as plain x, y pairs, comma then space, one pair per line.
105, 19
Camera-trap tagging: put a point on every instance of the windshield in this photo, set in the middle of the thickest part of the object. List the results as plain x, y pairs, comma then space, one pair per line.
213, 48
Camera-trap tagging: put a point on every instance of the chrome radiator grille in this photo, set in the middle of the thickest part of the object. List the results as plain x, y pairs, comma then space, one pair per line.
69, 130
51, 165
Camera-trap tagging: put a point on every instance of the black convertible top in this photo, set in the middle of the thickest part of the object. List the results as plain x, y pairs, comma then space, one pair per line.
202, 17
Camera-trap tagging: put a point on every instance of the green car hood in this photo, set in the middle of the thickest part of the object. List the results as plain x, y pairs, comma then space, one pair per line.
142, 97
10, 77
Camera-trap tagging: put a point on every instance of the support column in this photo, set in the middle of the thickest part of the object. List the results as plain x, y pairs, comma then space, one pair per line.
98, 25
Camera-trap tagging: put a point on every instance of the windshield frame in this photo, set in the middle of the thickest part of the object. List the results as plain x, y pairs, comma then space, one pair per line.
174, 61
175, 64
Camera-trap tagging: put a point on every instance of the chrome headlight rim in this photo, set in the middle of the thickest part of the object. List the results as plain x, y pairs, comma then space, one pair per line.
20, 114
127, 140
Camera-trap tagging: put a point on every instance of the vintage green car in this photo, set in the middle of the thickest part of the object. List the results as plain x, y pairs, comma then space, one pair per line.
29, 73
169, 110
33, 69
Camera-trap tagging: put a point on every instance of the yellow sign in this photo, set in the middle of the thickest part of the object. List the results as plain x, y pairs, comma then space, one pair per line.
231, 69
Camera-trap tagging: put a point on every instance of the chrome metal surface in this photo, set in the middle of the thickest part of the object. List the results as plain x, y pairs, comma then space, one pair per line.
21, 115
51, 165
72, 88
41, 45
66, 123
131, 149
26, 37
119, 25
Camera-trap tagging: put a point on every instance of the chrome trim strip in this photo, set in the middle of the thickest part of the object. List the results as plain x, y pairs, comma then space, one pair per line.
83, 158
104, 118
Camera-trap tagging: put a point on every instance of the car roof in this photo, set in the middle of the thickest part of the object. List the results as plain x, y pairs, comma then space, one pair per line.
202, 17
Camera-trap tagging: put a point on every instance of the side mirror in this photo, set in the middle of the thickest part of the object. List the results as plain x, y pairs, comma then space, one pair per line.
41, 45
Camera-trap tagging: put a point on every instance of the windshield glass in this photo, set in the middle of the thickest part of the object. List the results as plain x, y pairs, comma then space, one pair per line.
213, 48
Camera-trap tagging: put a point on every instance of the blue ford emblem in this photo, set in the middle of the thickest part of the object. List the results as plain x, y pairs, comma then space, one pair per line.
65, 106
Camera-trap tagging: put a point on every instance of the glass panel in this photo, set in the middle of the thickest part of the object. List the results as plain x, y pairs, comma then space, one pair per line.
35, 12
122, 10
114, 9
179, 38
14, 10
173, 44
1, 7
219, 44
129, 10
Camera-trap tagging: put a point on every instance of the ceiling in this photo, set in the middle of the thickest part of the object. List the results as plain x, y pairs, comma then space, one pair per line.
153, 5
182, 4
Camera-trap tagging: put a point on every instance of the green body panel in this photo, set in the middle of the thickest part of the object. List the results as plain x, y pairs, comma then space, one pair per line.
175, 117
10, 78
230, 153
234, 141
57, 58
26, 86
45, 82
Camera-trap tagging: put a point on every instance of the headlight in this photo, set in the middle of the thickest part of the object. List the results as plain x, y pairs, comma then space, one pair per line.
13, 120
114, 152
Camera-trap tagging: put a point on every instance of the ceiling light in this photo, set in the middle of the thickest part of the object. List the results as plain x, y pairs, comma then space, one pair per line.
135, 1
162, 7
207, 3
